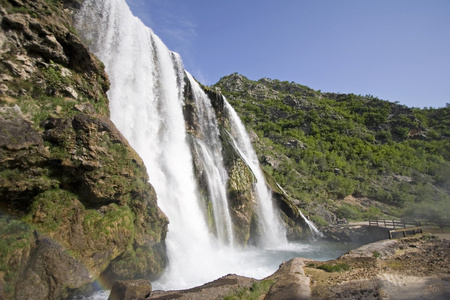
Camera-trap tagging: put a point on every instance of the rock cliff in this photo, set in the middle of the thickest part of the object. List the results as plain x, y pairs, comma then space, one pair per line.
74, 196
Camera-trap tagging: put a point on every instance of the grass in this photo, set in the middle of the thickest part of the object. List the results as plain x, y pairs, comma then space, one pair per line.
257, 289
334, 268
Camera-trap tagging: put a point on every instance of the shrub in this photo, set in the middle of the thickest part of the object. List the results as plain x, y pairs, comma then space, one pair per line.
376, 254
348, 211
334, 268
253, 293
319, 221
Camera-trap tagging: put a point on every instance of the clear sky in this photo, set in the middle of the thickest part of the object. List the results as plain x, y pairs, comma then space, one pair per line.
396, 50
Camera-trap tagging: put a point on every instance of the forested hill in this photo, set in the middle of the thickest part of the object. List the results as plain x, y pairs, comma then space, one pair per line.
347, 155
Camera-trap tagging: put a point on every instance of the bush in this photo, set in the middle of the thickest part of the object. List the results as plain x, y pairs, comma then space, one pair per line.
319, 221
348, 211
372, 213
428, 211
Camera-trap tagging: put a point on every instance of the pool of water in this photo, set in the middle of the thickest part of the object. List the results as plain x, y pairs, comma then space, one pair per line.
251, 262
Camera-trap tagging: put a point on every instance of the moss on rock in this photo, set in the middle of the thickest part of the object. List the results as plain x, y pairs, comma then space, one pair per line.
72, 190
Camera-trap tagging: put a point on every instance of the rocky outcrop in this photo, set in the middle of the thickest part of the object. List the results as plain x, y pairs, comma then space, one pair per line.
218, 289
49, 272
410, 268
131, 290
74, 196
240, 192
290, 282
240, 184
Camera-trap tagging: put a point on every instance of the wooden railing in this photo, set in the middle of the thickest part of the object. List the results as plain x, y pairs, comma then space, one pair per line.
393, 223
406, 226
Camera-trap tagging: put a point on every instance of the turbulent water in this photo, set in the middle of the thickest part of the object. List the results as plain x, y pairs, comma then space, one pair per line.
146, 102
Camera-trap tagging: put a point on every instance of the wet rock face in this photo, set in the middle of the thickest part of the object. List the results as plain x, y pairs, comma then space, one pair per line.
65, 170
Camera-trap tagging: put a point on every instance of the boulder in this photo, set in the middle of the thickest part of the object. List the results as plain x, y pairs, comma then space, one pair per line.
217, 289
131, 290
50, 272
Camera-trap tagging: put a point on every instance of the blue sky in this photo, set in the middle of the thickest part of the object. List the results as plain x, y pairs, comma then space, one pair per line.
396, 50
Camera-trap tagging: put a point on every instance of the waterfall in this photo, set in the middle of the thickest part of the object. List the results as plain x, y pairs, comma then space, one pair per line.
312, 227
314, 231
147, 82
272, 230
209, 150
146, 103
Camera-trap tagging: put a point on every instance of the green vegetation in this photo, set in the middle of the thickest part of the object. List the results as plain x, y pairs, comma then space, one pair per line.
15, 242
376, 254
253, 293
323, 147
334, 268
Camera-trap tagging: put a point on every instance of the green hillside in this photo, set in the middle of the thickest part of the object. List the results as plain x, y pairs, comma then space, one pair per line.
347, 155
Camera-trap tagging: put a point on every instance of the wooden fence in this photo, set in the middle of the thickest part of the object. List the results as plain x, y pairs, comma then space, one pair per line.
393, 223
406, 226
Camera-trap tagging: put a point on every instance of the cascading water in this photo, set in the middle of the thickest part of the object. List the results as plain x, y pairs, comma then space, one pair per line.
146, 105
312, 227
209, 151
314, 231
272, 230
146, 102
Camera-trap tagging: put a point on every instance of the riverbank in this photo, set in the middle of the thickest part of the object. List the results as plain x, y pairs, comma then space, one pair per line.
414, 267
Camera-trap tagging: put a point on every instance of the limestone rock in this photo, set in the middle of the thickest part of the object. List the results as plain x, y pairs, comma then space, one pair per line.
290, 282
216, 289
131, 290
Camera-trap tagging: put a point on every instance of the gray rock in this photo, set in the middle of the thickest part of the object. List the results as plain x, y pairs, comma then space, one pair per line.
52, 271
131, 290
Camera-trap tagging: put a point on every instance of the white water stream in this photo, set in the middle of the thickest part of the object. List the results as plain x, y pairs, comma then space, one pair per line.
146, 102
272, 230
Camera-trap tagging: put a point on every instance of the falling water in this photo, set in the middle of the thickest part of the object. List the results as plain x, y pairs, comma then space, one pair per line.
314, 231
146, 102
146, 98
272, 230
312, 227
209, 150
